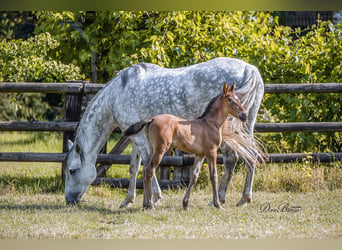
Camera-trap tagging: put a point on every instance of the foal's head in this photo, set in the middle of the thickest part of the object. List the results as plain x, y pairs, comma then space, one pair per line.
232, 103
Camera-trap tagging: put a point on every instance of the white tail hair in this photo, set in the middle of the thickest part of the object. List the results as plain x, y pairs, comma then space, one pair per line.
235, 133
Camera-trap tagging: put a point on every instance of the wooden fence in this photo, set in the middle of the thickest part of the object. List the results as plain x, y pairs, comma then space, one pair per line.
75, 93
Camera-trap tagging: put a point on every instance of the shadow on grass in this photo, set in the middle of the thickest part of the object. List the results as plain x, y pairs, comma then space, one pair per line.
67, 208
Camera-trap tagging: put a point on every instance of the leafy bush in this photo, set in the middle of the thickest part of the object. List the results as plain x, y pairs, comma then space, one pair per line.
31, 61
174, 39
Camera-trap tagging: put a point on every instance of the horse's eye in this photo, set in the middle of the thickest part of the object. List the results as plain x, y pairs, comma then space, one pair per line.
72, 171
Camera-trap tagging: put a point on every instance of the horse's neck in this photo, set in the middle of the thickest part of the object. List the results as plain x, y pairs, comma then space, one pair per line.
217, 115
95, 126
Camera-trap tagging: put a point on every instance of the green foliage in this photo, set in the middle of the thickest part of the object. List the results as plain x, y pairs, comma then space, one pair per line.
17, 24
181, 38
31, 61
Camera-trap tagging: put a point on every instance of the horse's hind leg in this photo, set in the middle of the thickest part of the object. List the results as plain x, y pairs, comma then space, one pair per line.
230, 159
196, 169
133, 170
247, 192
157, 195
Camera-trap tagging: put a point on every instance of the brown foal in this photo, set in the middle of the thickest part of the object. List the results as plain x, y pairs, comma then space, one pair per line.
202, 137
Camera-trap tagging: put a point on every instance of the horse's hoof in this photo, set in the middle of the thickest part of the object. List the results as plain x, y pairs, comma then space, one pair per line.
244, 200
157, 198
126, 203
217, 205
148, 206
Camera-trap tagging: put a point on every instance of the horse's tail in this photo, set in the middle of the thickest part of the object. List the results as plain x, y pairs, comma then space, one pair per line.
137, 127
239, 136
249, 149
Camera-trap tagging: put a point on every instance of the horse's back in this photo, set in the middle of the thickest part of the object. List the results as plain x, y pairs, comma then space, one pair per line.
145, 90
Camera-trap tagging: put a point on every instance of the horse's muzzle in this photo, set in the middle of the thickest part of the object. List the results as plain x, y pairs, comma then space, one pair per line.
243, 116
73, 199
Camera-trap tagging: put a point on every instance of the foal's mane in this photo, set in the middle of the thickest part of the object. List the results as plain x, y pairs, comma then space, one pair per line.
206, 111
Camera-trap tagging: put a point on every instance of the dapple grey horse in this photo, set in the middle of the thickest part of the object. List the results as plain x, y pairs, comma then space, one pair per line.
144, 90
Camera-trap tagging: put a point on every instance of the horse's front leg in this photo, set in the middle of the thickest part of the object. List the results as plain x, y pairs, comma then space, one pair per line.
195, 173
213, 176
134, 167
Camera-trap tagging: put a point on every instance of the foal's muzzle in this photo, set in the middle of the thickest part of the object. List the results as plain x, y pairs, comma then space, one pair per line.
243, 117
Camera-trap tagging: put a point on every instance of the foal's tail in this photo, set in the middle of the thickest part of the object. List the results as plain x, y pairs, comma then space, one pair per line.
137, 127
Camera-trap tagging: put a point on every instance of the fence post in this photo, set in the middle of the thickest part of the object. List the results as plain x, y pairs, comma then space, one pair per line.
182, 173
165, 171
72, 113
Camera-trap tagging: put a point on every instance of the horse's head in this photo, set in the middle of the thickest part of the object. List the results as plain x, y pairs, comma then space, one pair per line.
235, 108
79, 174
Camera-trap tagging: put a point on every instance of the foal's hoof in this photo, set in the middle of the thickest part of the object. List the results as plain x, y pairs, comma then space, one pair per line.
244, 200
212, 203
185, 205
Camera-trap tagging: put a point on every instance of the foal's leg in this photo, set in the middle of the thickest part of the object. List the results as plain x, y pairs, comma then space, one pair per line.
149, 171
196, 169
230, 159
213, 176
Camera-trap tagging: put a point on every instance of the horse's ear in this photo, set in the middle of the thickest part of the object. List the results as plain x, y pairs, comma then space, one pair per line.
225, 88
78, 148
232, 88
70, 144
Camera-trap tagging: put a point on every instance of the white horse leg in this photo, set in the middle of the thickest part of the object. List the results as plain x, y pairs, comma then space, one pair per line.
247, 192
133, 170
157, 194
230, 159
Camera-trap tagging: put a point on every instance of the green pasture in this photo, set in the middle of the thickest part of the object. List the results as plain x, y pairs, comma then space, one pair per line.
289, 201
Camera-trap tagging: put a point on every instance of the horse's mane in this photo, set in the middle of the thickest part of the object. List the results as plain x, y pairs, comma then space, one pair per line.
208, 107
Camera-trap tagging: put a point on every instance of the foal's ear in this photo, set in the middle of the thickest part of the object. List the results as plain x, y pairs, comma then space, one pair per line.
232, 88
225, 88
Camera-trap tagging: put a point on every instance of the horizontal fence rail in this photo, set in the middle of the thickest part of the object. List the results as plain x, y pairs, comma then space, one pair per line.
259, 127
177, 161
84, 88
70, 88
92, 88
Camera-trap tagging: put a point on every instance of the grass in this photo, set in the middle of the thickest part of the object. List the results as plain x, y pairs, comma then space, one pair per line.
42, 216
32, 205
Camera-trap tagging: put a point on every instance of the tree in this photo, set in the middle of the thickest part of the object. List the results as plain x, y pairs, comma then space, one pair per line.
181, 38
31, 61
